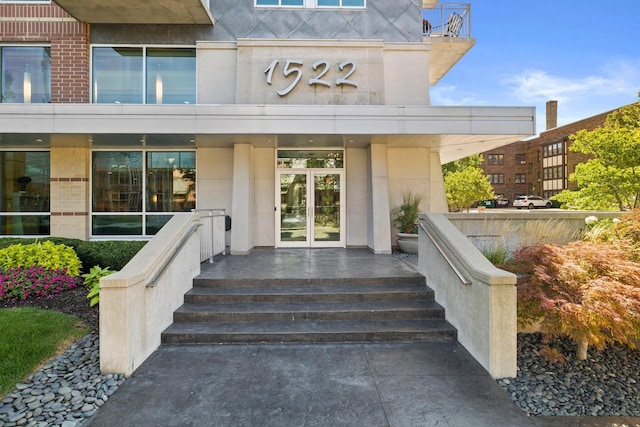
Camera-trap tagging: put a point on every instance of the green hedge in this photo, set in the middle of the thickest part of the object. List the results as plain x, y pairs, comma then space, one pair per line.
113, 254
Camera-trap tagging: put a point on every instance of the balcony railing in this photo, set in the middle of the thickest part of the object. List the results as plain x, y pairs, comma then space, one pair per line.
447, 20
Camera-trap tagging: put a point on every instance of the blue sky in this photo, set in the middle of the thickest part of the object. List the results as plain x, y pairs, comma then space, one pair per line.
584, 54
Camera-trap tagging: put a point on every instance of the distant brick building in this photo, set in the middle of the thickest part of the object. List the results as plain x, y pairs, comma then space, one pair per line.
540, 166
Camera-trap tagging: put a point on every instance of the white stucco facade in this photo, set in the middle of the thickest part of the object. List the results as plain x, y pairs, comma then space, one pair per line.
366, 98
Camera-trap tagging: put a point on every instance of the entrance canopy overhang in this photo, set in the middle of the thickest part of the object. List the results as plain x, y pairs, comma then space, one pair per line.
139, 11
454, 132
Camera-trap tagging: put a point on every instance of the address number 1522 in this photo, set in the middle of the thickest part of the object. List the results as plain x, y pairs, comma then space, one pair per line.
321, 67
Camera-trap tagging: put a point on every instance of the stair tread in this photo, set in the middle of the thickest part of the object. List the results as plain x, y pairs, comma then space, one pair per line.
304, 307
309, 289
202, 281
310, 327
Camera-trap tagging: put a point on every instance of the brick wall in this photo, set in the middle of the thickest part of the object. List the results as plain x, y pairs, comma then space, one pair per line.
69, 41
510, 169
70, 192
533, 150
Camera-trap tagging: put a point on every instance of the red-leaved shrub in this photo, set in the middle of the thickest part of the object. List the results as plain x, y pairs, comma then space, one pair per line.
587, 291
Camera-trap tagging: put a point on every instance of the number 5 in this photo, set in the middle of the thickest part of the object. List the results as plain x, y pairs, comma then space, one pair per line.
288, 69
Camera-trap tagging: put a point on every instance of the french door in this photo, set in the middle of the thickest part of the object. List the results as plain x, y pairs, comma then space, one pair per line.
309, 208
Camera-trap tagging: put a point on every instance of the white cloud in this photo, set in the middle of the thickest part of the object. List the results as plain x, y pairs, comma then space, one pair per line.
451, 95
615, 78
579, 97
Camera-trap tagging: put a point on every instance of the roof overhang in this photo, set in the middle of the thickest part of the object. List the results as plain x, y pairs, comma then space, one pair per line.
139, 11
454, 132
445, 53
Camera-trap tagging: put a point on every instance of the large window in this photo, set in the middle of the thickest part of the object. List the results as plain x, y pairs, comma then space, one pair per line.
554, 149
137, 75
26, 74
136, 192
24, 198
496, 178
312, 3
554, 172
495, 159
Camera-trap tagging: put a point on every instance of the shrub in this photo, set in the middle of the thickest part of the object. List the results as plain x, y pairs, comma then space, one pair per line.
112, 254
44, 254
587, 291
627, 233
22, 283
92, 281
405, 216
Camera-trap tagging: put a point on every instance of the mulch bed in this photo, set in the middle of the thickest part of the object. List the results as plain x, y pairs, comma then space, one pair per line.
72, 301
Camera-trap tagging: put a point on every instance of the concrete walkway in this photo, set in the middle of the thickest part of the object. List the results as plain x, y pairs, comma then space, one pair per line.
377, 384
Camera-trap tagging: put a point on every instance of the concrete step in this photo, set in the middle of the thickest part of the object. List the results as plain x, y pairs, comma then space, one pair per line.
203, 282
304, 311
308, 293
429, 330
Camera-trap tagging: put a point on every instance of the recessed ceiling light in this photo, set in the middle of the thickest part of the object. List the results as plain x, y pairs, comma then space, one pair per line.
38, 140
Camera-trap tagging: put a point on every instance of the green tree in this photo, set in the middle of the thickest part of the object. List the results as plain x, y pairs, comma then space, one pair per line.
466, 186
611, 179
473, 161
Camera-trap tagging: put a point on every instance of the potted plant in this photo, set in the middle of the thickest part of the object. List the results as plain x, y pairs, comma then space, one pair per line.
405, 218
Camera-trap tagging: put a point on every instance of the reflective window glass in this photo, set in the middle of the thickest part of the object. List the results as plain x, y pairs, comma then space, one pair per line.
143, 182
25, 225
25, 181
117, 181
26, 74
171, 76
302, 159
25, 191
123, 225
171, 181
117, 75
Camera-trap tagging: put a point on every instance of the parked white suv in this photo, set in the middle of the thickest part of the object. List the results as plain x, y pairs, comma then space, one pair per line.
531, 202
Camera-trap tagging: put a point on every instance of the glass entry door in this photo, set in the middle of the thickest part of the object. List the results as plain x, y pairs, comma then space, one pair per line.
309, 212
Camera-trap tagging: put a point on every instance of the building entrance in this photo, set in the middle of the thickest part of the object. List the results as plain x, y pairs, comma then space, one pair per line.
309, 208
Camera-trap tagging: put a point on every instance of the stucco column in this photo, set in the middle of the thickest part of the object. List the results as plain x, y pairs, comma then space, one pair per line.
380, 233
438, 196
69, 192
242, 203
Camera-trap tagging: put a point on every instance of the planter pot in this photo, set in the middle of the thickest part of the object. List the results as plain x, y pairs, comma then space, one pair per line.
408, 243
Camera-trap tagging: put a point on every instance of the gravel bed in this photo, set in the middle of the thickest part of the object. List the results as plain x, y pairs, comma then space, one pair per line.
64, 392
606, 384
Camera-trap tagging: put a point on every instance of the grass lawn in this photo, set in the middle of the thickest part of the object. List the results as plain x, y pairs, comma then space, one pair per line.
29, 337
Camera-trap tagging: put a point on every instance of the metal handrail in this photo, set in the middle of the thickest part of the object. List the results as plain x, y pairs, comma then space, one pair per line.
458, 273
447, 20
208, 239
168, 259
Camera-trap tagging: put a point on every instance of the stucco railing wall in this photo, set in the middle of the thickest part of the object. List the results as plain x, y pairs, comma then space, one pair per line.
137, 303
483, 311
521, 228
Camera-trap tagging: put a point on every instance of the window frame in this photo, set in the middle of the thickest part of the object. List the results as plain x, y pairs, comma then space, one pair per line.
495, 159
24, 45
14, 213
144, 212
520, 178
309, 4
143, 77
496, 178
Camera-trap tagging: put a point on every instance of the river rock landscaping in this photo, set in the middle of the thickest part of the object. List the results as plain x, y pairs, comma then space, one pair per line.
69, 389
606, 384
